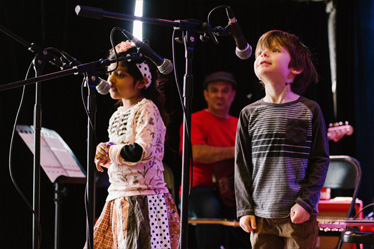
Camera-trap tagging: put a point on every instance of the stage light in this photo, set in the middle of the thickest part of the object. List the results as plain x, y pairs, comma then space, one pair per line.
138, 25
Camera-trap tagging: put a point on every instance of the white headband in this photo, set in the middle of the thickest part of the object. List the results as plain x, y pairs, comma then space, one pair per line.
144, 70
143, 67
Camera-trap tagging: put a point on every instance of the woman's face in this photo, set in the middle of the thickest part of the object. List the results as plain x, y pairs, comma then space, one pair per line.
123, 85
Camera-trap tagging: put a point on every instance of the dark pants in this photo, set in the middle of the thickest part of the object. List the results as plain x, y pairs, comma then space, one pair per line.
282, 233
204, 202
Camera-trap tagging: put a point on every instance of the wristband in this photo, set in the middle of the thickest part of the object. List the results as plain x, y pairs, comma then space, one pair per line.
107, 145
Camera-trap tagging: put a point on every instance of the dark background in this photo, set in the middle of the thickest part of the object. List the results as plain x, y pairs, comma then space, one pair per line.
55, 24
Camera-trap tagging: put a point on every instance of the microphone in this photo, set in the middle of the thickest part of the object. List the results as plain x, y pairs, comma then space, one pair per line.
103, 87
243, 49
164, 66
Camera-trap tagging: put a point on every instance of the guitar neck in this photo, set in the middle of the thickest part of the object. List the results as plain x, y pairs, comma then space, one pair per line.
341, 223
324, 222
225, 222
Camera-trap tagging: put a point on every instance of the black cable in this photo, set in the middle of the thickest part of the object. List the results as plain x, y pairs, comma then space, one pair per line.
181, 98
210, 12
10, 161
183, 107
114, 48
369, 205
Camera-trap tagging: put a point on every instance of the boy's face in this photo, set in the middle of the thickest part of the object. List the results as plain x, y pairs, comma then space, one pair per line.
272, 65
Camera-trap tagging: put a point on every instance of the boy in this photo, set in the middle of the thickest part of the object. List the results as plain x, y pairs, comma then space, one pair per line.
281, 150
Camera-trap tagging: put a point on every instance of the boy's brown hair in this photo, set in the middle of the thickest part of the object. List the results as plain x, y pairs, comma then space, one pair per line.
300, 57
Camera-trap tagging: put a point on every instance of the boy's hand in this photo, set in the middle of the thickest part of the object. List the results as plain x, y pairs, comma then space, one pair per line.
299, 214
248, 223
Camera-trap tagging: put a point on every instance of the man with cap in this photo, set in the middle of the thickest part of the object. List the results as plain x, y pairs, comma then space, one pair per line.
213, 133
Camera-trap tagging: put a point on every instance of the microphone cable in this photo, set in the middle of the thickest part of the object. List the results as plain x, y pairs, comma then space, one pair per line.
10, 160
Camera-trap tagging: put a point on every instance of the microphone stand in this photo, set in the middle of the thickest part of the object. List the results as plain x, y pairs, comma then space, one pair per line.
91, 147
36, 166
89, 69
39, 62
191, 29
189, 43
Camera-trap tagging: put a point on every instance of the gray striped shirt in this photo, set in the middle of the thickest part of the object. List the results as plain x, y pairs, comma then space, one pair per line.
281, 158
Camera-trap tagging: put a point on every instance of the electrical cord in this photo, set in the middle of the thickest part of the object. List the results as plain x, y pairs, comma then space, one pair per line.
10, 161
66, 61
369, 205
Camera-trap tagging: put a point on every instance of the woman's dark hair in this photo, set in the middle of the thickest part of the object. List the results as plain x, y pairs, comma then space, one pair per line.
154, 91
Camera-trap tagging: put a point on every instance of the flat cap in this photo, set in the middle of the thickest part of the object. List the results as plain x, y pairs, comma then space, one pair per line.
219, 76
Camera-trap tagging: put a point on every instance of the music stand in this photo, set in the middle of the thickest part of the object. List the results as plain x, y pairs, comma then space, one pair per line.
58, 162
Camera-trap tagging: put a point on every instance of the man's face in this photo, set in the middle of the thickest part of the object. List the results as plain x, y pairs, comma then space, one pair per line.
219, 95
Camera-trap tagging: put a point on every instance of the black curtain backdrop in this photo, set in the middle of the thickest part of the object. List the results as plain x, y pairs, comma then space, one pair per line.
54, 24
363, 89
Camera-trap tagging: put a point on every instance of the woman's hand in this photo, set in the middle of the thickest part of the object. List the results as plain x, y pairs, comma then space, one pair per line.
298, 214
102, 155
248, 223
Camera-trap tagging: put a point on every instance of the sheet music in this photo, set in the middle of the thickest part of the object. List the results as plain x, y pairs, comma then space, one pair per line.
56, 158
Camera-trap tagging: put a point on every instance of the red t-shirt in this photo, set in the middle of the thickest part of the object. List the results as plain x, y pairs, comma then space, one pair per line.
210, 130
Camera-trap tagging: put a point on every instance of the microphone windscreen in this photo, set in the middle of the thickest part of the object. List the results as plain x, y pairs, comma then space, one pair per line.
103, 87
245, 53
166, 67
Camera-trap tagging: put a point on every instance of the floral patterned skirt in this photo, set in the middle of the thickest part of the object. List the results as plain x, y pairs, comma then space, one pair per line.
138, 222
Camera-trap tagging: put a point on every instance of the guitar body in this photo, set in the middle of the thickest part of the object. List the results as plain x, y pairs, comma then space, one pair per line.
223, 177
